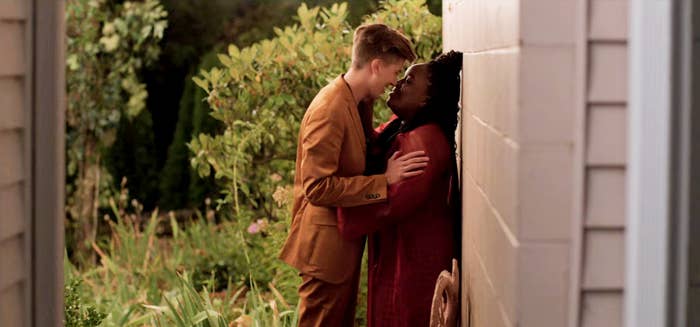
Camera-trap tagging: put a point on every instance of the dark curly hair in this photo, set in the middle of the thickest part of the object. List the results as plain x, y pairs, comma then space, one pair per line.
442, 105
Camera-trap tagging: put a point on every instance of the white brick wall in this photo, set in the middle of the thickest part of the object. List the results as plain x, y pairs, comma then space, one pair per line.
543, 159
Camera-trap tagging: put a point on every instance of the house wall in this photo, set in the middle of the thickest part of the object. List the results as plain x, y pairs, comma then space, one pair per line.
543, 144
602, 253
14, 253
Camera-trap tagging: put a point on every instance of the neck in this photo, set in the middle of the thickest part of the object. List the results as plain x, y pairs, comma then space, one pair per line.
411, 121
357, 79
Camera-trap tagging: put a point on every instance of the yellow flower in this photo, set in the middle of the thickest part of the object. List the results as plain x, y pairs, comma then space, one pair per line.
72, 62
110, 42
108, 29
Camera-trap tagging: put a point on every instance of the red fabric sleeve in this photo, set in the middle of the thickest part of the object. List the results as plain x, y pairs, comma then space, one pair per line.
404, 197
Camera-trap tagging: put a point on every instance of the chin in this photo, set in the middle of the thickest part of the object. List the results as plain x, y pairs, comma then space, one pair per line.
390, 102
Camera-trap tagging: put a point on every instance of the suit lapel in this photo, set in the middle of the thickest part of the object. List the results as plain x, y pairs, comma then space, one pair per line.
354, 113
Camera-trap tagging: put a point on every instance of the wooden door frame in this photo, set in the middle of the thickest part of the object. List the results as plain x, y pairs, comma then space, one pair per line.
47, 180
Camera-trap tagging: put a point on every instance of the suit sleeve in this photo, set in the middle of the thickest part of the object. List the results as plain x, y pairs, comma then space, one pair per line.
404, 197
322, 140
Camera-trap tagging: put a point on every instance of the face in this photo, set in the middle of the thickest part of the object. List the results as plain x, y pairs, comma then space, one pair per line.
384, 74
411, 92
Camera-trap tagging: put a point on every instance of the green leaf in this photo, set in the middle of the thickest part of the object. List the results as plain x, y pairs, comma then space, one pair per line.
201, 83
225, 60
146, 31
233, 51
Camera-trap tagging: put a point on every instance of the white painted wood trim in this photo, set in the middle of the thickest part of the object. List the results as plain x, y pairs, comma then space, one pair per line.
648, 164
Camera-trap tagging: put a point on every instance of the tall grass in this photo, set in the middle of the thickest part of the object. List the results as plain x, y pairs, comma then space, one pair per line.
157, 271
186, 307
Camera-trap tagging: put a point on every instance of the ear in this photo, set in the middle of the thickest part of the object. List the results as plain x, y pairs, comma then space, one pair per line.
376, 65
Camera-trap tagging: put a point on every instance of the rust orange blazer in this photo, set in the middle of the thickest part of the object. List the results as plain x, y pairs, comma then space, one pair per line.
329, 166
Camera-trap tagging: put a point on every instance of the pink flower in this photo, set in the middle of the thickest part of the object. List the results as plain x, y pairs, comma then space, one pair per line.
254, 228
257, 226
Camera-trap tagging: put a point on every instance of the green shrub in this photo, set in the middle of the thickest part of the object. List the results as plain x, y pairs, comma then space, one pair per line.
76, 312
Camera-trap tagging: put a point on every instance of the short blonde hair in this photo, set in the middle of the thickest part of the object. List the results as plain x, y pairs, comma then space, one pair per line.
380, 41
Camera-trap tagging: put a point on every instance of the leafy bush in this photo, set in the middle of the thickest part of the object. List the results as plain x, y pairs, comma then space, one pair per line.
260, 93
76, 312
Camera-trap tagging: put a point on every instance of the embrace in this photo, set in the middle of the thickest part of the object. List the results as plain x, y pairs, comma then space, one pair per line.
394, 187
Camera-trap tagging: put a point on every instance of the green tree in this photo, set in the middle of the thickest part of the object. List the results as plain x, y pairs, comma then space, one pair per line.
260, 94
180, 186
108, 45
175, 178
131, 157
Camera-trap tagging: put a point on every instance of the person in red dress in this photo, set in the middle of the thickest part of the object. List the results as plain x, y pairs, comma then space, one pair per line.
414, 235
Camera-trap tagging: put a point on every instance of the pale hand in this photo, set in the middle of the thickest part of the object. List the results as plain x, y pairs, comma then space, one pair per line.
406, 166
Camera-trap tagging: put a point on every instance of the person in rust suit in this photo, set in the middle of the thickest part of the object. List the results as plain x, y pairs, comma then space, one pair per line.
330, 164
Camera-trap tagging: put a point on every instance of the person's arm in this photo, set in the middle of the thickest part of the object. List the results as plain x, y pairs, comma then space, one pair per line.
404, 197
321, 146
